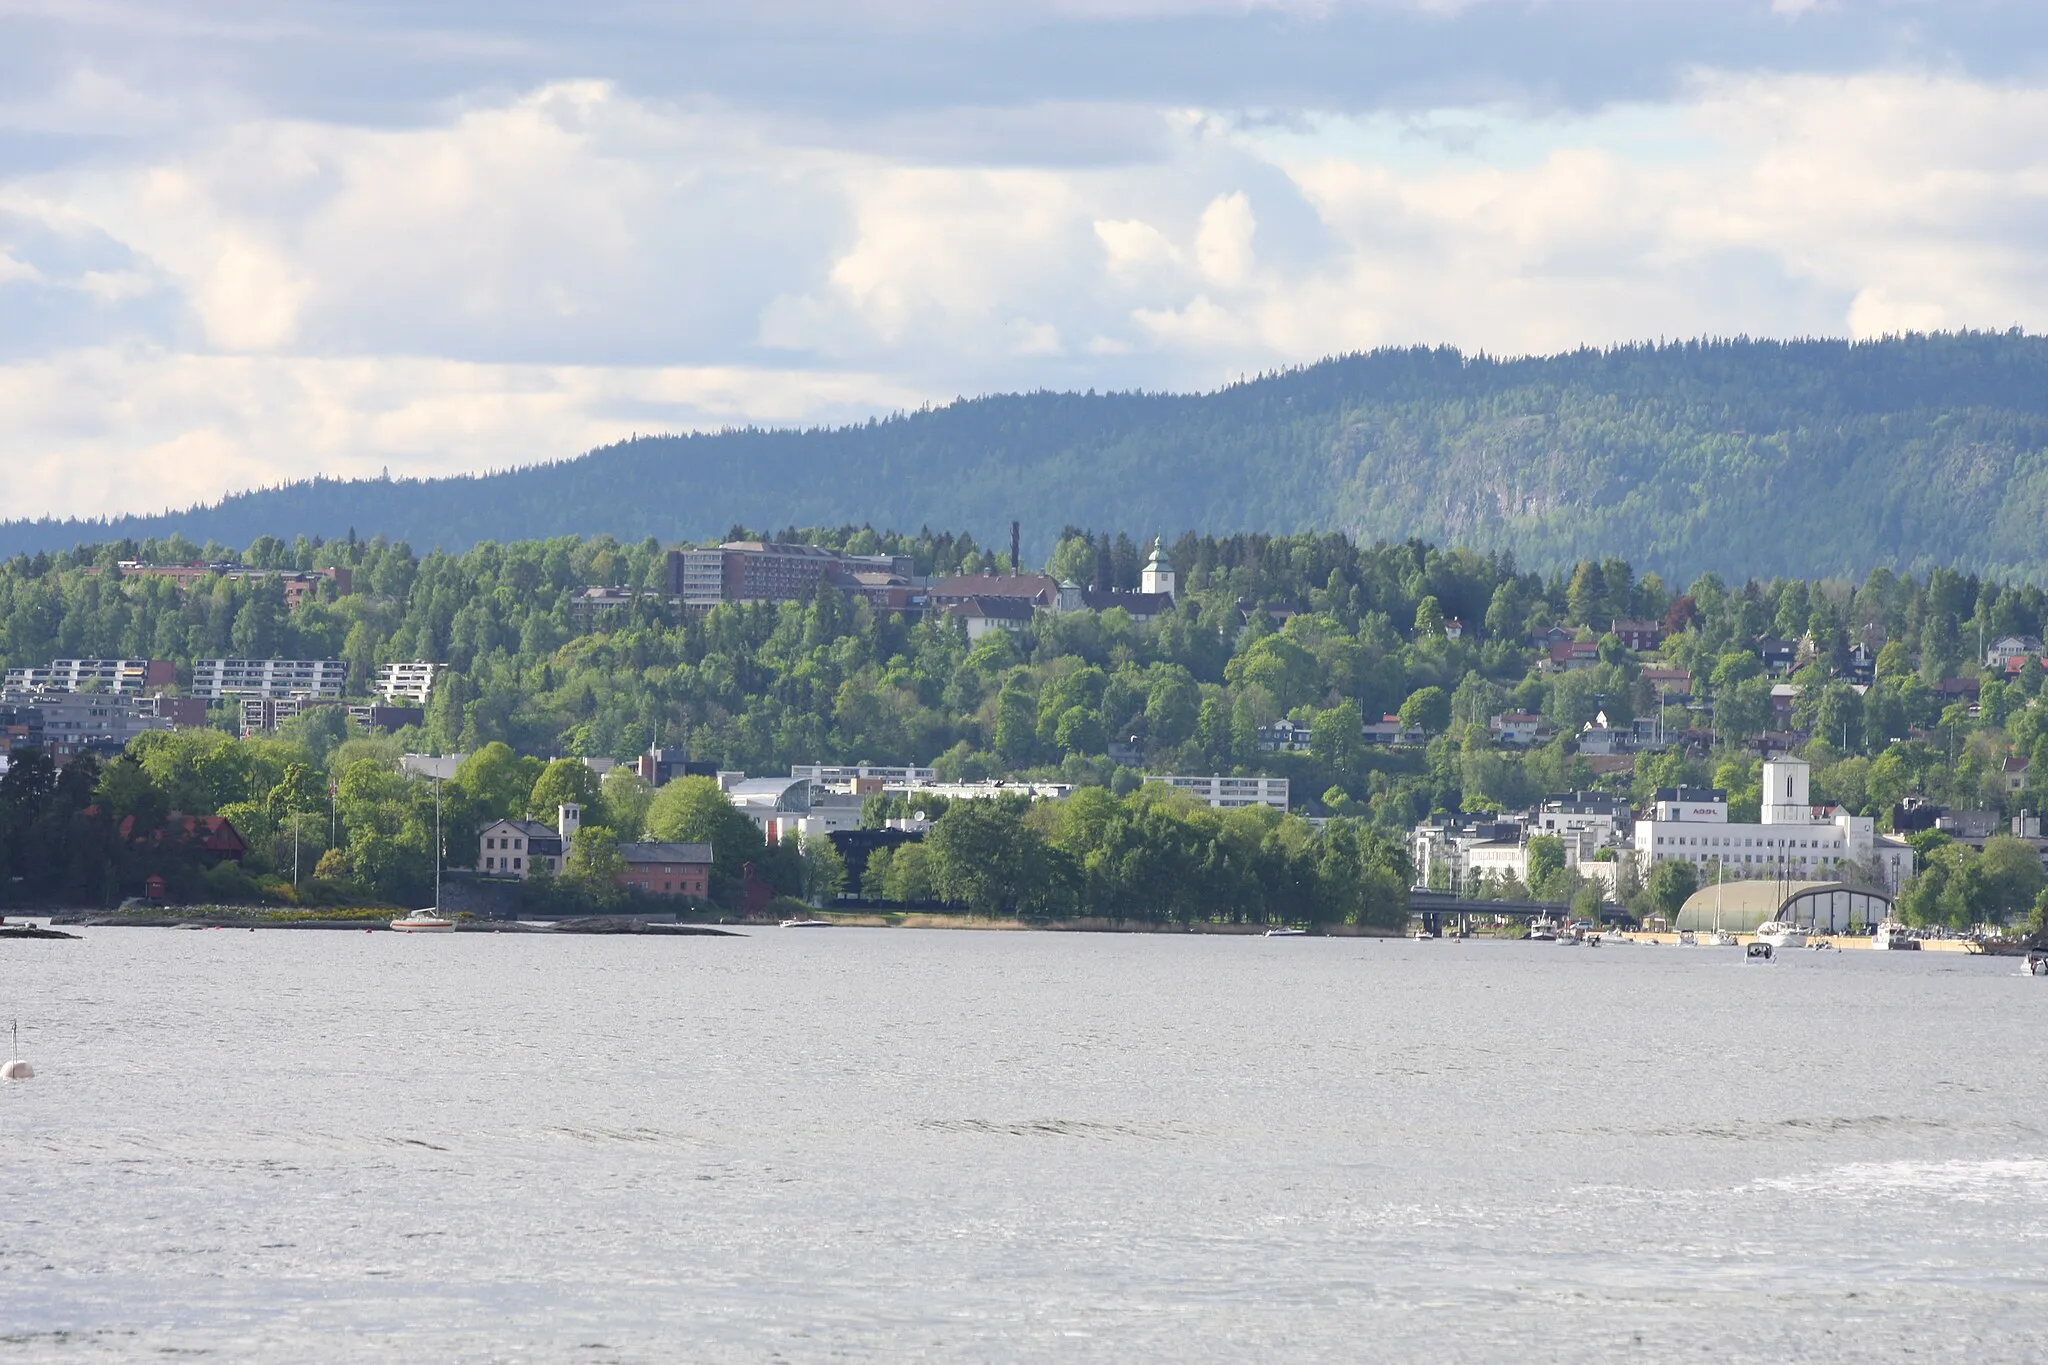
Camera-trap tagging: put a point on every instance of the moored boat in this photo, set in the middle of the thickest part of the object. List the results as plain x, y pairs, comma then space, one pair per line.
1286, 931
807, 924
423, 922
1780, 934
1892, 936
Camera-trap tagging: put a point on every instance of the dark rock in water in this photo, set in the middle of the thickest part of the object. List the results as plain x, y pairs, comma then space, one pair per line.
31, 931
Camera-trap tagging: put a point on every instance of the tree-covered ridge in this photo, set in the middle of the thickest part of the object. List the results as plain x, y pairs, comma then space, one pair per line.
1313, 629
1809, 458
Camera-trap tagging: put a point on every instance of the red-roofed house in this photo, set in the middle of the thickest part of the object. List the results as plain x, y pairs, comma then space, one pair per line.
1573, 655
212, 836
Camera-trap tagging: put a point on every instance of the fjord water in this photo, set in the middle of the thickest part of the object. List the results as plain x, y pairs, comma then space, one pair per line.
885, 1145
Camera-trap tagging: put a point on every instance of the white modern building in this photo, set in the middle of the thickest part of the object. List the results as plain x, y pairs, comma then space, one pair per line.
412, 681
1232, 793
849, 772
218, 678
1796, 841
99, 675
980, 791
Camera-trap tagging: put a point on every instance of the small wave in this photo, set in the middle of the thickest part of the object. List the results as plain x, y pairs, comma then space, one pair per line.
1975, 1182
1830, 1125
650, 1137
1081, 1128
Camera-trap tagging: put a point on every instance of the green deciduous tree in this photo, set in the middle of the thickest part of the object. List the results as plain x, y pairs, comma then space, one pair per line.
565, 781
694, 810
1671, 884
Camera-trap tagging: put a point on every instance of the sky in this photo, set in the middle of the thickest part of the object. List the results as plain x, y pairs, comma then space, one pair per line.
246, 241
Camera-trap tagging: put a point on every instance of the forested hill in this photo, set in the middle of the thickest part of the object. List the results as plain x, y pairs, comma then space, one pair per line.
1746, 457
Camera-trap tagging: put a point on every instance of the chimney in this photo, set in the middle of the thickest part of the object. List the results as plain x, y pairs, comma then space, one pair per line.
1016, 554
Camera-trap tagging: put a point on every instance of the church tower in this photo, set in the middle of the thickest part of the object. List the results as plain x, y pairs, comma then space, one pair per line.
1158, 574
1786, 798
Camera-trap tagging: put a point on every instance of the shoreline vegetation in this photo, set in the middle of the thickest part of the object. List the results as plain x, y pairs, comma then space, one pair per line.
269, 917
1389, 684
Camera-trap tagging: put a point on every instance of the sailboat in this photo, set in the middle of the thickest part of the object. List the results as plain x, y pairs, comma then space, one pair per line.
430, 920
1717, 939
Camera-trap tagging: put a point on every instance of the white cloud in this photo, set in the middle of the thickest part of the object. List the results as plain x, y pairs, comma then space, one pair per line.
1223, 244
11, 269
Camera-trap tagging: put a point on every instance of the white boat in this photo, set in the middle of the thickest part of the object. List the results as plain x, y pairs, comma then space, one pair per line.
1714, 938
1284, 932
1893, 936
1779, 934
1543, 931
807, 924
424, 922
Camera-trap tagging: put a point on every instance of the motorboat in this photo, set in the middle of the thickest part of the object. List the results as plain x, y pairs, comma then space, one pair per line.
427, 921
2037, 964
1892, 936
1715, 938
1779, 934
1688, 939
1759, 951
1284, 931
1543, 930
807, 924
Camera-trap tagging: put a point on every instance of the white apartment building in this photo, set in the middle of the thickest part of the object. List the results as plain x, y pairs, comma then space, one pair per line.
218, 678
980, 791
1795, 841
104, 675
852, 772
1232, 793
413, 682
1452, 850
1575, 816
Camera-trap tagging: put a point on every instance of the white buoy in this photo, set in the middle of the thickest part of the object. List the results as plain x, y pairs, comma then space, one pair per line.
17, 1070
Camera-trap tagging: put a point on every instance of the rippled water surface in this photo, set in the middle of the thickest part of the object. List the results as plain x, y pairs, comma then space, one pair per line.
894, 1145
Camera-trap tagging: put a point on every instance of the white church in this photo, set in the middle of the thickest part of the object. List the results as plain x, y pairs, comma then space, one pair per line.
1796, 841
